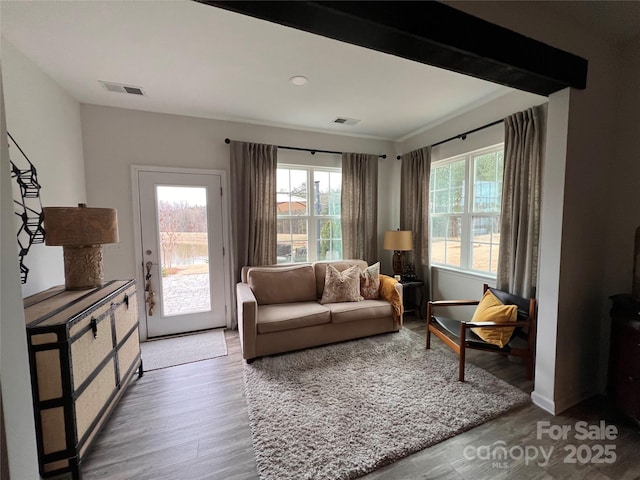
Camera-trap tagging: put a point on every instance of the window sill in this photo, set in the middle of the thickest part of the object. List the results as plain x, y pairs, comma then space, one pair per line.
465, 273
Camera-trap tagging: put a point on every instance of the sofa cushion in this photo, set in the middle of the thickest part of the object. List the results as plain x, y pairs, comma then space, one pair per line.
370, 282
288, 316
348, 312
320, 269
341, 286
282, 285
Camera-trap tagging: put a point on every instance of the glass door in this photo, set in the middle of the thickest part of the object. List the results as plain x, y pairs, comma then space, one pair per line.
182, 250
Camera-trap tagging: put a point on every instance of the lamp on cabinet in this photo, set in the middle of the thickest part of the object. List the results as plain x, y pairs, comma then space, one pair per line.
81, 232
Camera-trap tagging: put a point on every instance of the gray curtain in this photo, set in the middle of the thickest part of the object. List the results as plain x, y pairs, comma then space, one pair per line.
359, 206
253, 204
414, 208
520, 216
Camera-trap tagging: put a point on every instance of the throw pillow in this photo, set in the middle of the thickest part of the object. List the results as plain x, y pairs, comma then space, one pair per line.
490, 309
341, 286
370, 282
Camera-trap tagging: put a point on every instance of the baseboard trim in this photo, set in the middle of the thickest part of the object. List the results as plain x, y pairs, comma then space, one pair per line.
543, 402
556, 407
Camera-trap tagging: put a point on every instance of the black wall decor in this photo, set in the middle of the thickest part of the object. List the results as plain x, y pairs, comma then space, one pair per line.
29, 206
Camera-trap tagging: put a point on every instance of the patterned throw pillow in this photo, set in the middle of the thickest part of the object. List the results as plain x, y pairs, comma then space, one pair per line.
341, 286
370, 282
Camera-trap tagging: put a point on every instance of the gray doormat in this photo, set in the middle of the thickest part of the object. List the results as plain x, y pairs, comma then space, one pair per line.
341, 411
169, 352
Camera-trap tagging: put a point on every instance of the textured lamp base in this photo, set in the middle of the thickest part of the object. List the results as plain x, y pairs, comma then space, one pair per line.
398, 262
83, 267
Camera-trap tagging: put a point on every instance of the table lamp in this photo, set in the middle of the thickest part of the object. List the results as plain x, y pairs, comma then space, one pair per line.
81, 232
399, 241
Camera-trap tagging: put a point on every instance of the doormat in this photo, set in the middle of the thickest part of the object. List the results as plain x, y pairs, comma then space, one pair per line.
195, 347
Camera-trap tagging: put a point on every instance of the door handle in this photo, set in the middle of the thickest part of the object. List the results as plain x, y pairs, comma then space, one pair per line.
150, 294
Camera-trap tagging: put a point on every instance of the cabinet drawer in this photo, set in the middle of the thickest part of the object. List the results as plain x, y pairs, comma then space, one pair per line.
628, 397
125, 311
128, 353
91, 401
89, 350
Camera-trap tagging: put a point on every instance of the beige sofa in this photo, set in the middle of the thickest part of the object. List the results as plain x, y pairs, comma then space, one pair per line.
279, 309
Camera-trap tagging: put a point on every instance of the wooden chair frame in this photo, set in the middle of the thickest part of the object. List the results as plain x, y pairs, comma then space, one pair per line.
459, 344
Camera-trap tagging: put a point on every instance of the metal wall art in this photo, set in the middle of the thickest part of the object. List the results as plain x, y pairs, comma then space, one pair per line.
29, 206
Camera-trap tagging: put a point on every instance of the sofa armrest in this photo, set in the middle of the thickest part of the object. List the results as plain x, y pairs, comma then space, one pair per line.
247, 307
399, 289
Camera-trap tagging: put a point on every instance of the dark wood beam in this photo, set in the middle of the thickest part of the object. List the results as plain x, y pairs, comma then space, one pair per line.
431, 33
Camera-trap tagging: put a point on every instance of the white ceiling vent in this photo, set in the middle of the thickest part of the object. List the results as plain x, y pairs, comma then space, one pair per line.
120, 88
346, 121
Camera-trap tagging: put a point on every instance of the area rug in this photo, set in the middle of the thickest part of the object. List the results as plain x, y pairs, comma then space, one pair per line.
169, 352
341, 411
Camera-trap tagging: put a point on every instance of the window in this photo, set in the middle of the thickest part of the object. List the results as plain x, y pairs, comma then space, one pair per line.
465, 202
308, 217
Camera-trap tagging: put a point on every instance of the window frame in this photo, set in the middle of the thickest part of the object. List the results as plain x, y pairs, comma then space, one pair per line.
467, 214
311, 217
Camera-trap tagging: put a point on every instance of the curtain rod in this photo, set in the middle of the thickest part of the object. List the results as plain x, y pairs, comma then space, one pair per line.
463, 136
312, 150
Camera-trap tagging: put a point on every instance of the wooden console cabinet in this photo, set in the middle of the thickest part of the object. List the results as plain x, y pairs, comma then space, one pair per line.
83, 350
624, 356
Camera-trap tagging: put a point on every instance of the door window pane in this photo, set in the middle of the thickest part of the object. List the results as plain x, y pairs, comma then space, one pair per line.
184, 247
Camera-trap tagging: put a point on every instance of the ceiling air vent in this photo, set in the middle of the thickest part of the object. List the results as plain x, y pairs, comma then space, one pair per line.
120, 88
346, 121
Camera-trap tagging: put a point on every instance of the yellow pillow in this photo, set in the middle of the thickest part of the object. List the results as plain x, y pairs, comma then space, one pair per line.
490, 309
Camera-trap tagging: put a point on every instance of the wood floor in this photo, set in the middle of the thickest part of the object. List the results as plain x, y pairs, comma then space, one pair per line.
190, 422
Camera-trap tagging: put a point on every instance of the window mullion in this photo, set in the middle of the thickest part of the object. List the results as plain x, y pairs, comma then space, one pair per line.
465, 247
312, 250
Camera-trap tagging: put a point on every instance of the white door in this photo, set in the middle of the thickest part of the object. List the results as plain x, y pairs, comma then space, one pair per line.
182, 243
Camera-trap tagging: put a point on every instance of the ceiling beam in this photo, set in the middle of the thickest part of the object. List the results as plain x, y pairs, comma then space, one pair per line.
431, 33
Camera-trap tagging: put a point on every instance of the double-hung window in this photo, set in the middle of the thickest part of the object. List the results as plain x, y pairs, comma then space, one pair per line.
465, 202
308, 212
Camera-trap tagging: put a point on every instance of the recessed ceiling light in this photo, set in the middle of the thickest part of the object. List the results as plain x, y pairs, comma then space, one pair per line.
299, 80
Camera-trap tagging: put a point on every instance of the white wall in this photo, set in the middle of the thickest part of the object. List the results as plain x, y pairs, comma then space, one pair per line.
45, 121
14, 364
114, 139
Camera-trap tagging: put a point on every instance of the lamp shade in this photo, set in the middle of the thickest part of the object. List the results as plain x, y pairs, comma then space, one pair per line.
398, 240
76, 226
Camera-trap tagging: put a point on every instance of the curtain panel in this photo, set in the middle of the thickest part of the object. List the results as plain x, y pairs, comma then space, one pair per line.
414, 207
253, 204
520, 217
359, 206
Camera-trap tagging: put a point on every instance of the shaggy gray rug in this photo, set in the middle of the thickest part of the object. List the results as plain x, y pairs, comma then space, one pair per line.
194, 347
340, 411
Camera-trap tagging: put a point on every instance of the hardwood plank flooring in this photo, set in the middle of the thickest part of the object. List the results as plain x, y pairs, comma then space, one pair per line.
190, 422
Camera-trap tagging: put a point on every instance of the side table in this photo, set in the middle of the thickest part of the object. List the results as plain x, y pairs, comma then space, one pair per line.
413, 297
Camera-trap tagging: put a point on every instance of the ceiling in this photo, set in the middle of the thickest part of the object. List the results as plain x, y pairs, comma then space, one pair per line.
196, 60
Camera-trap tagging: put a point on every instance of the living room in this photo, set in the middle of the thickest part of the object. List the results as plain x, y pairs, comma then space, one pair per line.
94, 146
